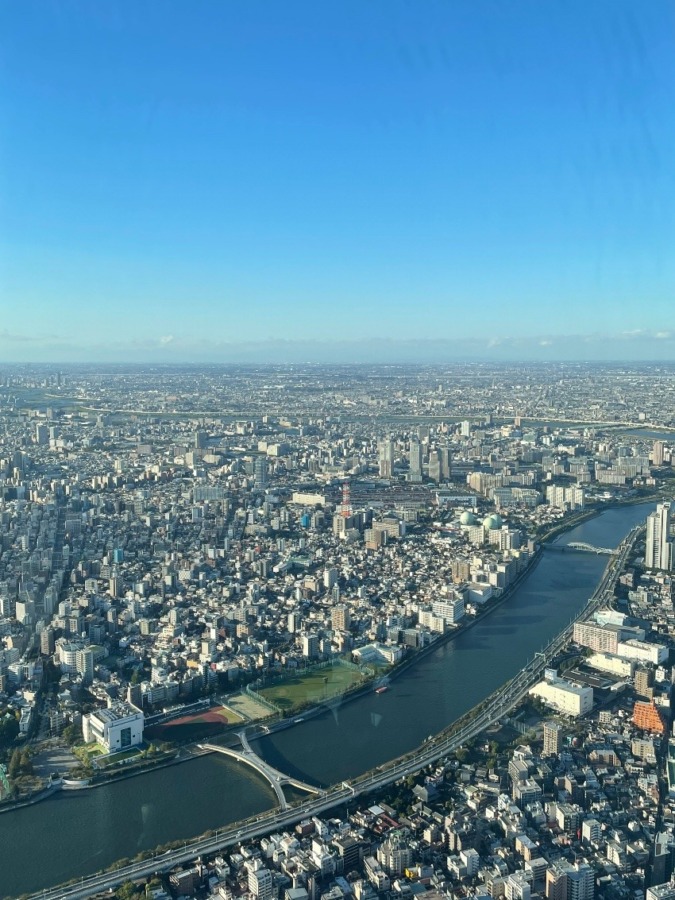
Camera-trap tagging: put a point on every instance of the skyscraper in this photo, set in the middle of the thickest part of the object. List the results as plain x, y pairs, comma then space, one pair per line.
386, 458
435, 465
415, 461
446, 463
260, 471
659, 549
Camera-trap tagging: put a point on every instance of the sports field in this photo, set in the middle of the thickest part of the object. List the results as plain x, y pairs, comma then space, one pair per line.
195, 727
311, 686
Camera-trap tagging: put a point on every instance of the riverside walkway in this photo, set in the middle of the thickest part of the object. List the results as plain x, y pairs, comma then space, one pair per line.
276, 778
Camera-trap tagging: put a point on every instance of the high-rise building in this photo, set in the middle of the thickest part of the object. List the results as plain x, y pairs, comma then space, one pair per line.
310, 646
446, 463
643, 681
415, 461
553, 738
84, 663
658, 453
340, 618
435, 467
565, 881
260, 471
659, 546
386, 458
47, 643
294, 621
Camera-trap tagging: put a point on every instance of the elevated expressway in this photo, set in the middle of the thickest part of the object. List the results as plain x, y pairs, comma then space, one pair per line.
468, 727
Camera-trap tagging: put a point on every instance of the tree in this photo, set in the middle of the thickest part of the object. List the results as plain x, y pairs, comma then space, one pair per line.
26, 764
14, 768
71, 734
127, 891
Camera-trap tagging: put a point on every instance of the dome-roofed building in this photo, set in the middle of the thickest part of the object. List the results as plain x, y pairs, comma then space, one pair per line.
492, 523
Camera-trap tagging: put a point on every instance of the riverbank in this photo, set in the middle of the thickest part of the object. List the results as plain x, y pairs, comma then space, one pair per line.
565, 525
483, 614
88, 785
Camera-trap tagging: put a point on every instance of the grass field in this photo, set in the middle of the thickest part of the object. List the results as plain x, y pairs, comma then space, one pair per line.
311, 687
195, 727
119, 757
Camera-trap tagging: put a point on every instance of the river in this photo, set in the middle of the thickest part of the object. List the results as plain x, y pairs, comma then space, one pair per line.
74, 834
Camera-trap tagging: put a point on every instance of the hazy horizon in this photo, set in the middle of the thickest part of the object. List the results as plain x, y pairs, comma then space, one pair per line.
574, 349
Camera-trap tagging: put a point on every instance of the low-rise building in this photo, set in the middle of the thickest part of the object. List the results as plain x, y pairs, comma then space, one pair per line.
118, 727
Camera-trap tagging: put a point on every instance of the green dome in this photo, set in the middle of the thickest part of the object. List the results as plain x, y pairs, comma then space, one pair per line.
467, 518
492, 523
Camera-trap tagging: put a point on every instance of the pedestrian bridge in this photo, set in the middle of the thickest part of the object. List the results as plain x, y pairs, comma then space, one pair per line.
276, 778
581, 547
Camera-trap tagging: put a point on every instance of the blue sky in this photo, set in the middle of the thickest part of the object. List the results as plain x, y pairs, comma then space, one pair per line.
242, 179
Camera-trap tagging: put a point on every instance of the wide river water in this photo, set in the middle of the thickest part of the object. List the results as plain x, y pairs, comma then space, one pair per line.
77, 833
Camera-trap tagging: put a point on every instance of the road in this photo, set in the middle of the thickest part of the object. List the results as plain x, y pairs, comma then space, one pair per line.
468, 727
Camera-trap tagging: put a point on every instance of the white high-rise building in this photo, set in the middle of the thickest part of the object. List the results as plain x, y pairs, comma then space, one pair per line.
659, 549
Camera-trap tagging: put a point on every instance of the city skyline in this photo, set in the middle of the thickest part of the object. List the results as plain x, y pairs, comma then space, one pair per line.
250, 183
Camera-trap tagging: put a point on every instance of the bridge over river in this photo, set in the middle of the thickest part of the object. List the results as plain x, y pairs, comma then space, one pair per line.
276, 778
580, 547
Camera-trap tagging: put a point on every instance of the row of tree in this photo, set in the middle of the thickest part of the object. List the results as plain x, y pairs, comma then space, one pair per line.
20, 763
